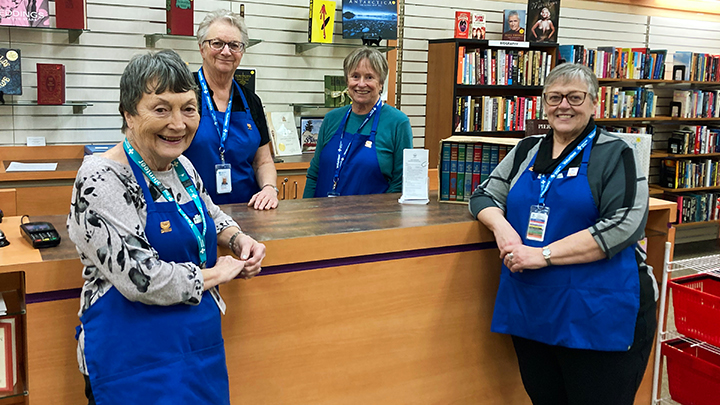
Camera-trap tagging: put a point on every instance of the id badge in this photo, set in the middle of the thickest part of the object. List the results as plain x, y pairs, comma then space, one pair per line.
333, 194
223, 181
538, 222
215, 293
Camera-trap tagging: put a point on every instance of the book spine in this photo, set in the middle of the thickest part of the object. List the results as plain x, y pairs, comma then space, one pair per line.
477, 165
469, 156
445, 171
453, 171
485, 163
460, 178
494, 157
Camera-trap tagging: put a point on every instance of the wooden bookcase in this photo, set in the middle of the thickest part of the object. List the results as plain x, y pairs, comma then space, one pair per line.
442, 87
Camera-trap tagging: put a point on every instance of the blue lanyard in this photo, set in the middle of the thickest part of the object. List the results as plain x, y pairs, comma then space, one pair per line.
342, 154
226, 124
189, 186
545, 182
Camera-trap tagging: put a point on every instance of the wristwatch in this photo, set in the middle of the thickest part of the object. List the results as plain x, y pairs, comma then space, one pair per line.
546, 254
275, 188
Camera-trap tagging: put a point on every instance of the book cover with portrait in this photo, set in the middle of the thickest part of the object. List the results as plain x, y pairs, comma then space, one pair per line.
24, 13
514, 25
478, 26
369, 19
462, 24
10, 72
542, 20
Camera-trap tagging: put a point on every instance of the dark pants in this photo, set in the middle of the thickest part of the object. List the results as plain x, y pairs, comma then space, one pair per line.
554, 375
88, 391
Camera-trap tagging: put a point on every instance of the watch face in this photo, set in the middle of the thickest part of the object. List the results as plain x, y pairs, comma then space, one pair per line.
546, 253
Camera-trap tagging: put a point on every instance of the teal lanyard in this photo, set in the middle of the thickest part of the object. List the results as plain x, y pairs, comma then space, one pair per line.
209, 103
189, 186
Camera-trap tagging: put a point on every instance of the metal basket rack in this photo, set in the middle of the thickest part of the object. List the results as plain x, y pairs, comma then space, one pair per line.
700, 265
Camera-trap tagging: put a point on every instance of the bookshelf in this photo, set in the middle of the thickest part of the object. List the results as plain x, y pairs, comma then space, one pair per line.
443, 90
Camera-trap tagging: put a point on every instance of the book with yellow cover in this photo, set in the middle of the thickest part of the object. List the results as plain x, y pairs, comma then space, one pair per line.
322, 20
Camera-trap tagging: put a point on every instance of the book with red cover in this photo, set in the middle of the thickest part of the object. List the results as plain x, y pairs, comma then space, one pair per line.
463, 20
71, 14
453, 171
6, 369
179, 17
50, 83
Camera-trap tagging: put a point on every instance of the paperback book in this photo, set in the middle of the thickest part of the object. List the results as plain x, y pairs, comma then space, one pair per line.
478, 26
514, 26
25, 13
462, 24
369, 19
179, 15
322, 21
542, 20
10, 72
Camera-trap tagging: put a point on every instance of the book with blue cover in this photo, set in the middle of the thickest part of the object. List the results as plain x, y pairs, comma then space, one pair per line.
369, 19
10, 71
445, 172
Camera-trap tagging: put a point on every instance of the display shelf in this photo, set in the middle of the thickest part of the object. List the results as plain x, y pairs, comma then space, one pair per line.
682, 190
633, 119
491, 133
152, 39
659, 82
78, 106
14, 303
696, 223
304, 47
665, 155
498, 87
73, 34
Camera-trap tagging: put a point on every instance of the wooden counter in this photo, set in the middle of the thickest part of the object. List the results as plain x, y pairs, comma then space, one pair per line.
361, 300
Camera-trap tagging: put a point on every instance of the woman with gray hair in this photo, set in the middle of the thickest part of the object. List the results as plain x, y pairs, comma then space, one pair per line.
231, 150
147, 233
567, 210
360, 147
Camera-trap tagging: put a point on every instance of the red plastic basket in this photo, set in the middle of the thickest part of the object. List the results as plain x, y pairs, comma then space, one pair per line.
693, 373
696, 300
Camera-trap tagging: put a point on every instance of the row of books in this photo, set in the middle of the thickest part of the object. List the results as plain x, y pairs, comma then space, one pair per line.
502, 67
499, 113
686, 173
704, 67
464, 166
696, 104
629, 129
626, 102
696, 207
695, 140
617, 63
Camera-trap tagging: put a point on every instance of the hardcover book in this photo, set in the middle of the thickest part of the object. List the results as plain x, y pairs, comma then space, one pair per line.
369, 20
246, 77
542, 20
336, 92
179, 19
309, 129
6, 371
478, 26
322, 21
284, 134
462, 24
10, 73
70, 14
24, 13
514, 25
50, 84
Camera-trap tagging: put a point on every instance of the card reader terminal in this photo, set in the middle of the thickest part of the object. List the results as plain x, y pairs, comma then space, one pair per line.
40, 234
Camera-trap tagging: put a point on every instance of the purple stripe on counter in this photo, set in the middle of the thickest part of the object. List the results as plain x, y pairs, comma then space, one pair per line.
289, 268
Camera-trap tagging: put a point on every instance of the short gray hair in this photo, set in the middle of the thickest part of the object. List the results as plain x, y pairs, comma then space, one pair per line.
376, 59
226, 16
513, 13
568, 72
153, 72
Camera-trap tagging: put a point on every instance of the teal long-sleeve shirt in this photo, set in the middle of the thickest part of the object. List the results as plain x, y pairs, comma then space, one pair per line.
393, 135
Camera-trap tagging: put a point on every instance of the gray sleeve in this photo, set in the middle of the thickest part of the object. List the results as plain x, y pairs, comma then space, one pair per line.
107, 224
620, 190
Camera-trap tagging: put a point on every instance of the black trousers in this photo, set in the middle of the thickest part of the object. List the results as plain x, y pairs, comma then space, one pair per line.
88, 391
554, 375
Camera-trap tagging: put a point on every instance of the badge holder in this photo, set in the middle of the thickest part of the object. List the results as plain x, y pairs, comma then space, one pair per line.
223, 180
538, 222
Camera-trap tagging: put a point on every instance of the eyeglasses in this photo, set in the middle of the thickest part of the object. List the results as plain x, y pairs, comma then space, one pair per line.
574, 98
219, 45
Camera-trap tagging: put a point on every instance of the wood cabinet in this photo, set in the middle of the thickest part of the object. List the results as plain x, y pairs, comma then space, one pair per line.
291, 186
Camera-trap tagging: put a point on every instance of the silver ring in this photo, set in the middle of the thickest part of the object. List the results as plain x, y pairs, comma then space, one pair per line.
509, 256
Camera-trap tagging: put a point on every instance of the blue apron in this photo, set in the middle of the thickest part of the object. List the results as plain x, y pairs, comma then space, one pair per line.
150, 354
241, 146
583, 306
360, 172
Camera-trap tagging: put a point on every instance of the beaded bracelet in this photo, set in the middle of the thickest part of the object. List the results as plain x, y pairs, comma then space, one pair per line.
232, 240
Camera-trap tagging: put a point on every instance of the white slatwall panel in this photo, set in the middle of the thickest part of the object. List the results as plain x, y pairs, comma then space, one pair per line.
117, 28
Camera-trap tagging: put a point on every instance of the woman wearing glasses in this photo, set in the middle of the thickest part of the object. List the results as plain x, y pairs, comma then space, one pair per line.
231, 149
567, 210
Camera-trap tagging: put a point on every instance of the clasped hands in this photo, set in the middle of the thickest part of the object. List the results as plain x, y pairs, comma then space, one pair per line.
516, 256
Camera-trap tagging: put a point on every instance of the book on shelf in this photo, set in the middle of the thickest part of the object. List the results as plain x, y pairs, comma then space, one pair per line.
10, 71
179, 17
469, 158
460, 194
514, 25
536, 127
19, 13
6, 356
321, 21
309, 130
682, 59
283, 133
50, 84
14, 323
369, 20
336, 92
542, 20
71, 14
246, 77
462, 24
478, 26
445, 155
453, 171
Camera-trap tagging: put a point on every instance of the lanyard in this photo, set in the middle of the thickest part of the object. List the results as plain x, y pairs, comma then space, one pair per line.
189, 186
226, 124
342, 154
545, 182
